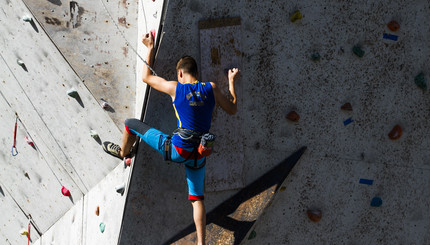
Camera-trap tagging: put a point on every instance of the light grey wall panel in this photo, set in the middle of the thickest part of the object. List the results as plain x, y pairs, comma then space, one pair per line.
64, 153
90, 34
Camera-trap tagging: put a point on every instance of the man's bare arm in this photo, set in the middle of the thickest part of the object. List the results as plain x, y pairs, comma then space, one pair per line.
157, 83
228, 105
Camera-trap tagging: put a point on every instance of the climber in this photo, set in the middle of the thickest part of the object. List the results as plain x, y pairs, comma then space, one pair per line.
193, 102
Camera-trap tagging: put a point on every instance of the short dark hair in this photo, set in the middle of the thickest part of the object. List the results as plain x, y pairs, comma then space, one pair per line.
188, 64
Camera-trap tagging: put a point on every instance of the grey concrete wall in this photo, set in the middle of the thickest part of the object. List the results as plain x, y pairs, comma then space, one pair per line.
97, 38
278, 75
64, 153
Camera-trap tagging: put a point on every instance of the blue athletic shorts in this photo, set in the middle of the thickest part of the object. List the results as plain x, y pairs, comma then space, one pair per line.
156, 139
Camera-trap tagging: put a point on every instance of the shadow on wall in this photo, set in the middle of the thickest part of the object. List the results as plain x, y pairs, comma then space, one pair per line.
230, 216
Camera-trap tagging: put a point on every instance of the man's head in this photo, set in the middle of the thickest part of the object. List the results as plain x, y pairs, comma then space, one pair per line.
186, 65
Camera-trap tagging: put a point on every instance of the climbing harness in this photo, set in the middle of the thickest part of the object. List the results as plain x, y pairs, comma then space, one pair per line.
14, 138
202, 145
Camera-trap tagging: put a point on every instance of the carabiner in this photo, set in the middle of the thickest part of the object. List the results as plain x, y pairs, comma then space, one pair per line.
16, 151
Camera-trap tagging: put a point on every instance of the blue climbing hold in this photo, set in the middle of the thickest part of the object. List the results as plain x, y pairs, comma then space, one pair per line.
390, 36
376, 202
366, 181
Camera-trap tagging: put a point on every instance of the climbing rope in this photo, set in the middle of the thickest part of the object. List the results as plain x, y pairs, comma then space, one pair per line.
14, 137
28, 235
126, 40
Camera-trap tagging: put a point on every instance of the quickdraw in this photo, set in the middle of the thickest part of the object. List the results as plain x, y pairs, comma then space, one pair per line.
14, 138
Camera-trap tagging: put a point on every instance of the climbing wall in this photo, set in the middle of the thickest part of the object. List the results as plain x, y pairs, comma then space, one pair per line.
311, 58
51, 132
98, 39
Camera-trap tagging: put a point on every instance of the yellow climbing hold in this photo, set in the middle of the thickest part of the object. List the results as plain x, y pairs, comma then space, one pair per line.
296, 16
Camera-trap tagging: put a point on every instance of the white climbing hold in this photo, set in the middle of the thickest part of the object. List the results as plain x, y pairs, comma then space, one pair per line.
120, 188
20, 62
27, 18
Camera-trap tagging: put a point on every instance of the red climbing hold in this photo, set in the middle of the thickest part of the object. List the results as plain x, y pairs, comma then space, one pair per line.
395, 133
153, 33
293, 116
393, 26
314, 214
346, 107
65, 191
127, 161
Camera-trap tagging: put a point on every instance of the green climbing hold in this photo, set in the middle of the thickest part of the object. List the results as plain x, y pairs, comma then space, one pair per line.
420, 81
316, 57
358, 51
296, 16
252, 235
73, 93
102, 227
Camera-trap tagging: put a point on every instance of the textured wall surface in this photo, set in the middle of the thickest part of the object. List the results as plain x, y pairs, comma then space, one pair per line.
63, 152
279, 75
97, 38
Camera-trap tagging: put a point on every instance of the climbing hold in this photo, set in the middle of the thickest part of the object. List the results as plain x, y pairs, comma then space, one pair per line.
366, 181
346, 107
395, 133
316, 56
73, 93
420, 81
94, 134
120, 188
20, 62
127, 161
65, 191
393, 26
358, 51
296, 16
23, 232
390, 36
293, 116
252, 235
314, 214
26, 175
97, 210
153, 32
376, 202
27, 18
348, 121
102, 227
29, 141
282, 188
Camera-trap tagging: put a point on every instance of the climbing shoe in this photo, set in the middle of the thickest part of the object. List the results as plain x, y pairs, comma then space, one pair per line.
112, 149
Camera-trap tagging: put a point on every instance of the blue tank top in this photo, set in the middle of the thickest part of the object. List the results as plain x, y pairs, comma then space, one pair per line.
193, 104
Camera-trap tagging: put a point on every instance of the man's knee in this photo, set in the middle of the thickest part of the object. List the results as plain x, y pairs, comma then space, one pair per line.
133, 124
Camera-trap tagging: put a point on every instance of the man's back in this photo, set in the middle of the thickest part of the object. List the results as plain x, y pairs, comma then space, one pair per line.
193, 104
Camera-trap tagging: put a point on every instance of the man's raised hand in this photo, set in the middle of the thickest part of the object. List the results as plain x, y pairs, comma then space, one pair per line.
148, 40
233, 74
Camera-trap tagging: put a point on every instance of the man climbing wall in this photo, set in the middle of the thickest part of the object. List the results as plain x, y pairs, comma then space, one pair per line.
193, 102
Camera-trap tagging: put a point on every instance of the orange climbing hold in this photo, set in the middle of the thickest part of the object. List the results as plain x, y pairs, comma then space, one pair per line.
97, 210
395, 133
65, 191
314, 215
393, 26
346, 107
293, 116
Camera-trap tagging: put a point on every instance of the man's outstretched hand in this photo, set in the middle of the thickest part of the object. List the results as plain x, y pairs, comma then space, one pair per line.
233, 74
148, 40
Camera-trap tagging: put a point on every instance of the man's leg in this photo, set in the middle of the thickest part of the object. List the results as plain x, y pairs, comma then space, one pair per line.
127, 142
199, 215
133, 127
